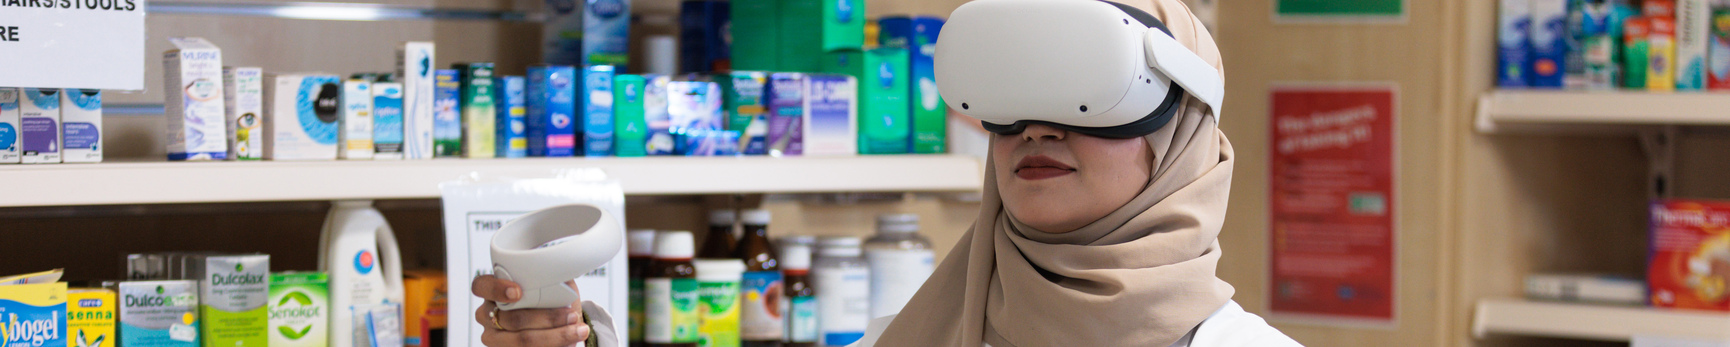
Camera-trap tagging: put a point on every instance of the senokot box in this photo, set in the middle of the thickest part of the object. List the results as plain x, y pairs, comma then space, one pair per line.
742, 97
552, 93
244, 98
158, 313
630, 128
786, 114
235, 289
299, 309
929, 117
90, 317
10, 153
301, 118
1690, 250
597, 106
830, 115
447, 114
355, 140
40, 125
511, 123
1693, 30
425, 307
480, 114
415, 66
33, 314
81, 126
387, 121
655, 114
193, 78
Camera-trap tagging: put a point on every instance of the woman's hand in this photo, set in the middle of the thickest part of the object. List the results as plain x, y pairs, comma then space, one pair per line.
555, 327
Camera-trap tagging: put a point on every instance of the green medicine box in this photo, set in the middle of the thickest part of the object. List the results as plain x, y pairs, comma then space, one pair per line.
756, 32
840, 25
630, 129
884, 107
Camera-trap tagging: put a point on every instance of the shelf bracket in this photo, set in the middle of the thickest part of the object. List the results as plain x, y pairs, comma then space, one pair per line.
1660, 146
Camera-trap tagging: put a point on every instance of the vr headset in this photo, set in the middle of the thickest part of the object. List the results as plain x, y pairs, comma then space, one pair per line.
1091, 67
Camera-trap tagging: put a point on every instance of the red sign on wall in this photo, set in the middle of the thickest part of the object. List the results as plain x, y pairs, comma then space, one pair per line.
1331, 202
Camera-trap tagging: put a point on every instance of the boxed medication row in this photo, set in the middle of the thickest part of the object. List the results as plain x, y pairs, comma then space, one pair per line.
49, 126
1658, 45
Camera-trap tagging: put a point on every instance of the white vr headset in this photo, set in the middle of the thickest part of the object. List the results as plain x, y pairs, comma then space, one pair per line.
1093, 67
543, 249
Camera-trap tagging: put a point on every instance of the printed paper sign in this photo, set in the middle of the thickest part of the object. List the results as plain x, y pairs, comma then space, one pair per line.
97, 44
1331, 202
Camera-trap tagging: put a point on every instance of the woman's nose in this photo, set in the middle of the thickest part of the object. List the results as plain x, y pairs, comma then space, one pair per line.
1043, 132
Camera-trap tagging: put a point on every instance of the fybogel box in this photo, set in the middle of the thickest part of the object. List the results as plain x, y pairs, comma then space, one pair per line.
39, 128
302, 120
244, 93
196, 128
81, 125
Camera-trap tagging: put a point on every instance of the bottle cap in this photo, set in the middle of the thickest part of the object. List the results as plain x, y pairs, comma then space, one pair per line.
838, 241
641, 242
897, 218
673, 244
719, 270
721, 218
840, 251
755, 217
807, 240
898, 228
796, 257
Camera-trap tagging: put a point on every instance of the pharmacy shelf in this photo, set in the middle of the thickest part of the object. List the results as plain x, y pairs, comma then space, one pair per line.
1595, 322
203, 182
1522, 109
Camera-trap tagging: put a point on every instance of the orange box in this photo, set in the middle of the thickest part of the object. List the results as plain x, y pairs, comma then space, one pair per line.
1690, 261
425, 306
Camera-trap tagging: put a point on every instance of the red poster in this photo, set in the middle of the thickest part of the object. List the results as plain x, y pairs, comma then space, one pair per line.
1331, 202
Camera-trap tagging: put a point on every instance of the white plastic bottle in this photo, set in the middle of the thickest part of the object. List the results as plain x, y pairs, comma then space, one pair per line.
361, 255
900, 259
843, 284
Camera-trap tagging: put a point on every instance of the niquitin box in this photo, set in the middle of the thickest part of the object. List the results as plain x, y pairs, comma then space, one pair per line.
630, 128
597, 108
655, 113
158, 313
1690, 250
511, 125
930, 114
234, 288
478, 109
301, 122
552, 93
415, 66
743, 99
34, 314
90, 317
299, 309
39, 128
447, 114
9, 151
81, 125
196, 126
387, 121
830, 106
786, 114
356, 135
244, 97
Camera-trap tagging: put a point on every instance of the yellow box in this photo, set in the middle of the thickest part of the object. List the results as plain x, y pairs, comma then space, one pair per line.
425, 306
90, 317
35, 314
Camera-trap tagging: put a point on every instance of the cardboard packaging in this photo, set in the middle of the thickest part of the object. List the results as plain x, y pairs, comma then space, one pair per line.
299, 309
355, 139
159, 313
512, 126
90, 317
1690, 256
39, 125
234, 289
930, 114
193, 77
552, 93
630, 127
415, 66
756, 34
597, 106
303, 116
447, 114
244, 93
10, 152
478, 109
81, 126
1549, 43
831, 116
743, 99
425, 306
35, 314
786, 114
387, 121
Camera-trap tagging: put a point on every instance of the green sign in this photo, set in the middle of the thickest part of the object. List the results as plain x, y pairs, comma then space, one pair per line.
1342, 9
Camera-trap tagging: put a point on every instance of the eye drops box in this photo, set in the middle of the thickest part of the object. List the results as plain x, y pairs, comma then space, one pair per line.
356, 136
234, 289
478, 109
743, 97
597, 106
197, 129
39, 128
81, 125
10, 153
244, 97
786, 114
415, 65
1549, 37
158, 313
1513, 43
606, 32
552, 93
1693, 30
387, 121
301, 122
90, 317
655, 113
930, 114
299, 309
630, 128
831, 106
511, 125
447, 114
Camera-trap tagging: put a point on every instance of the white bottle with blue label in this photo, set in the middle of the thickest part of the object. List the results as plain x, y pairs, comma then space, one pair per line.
361, 255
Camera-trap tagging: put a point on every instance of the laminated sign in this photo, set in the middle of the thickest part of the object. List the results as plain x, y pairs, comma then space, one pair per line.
95, 44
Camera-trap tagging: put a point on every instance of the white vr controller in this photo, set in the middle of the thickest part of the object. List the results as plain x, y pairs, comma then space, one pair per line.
543, 249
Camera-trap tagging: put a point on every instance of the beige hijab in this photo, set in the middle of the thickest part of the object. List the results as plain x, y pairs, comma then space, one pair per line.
1141, 276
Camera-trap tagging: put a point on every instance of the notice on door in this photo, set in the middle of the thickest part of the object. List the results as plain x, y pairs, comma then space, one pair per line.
97, 44
1331, 202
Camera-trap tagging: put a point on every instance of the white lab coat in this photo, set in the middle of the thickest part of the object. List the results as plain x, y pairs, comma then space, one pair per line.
1230, 326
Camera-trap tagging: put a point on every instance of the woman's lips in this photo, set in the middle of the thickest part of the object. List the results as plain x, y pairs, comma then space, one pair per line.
1038, 167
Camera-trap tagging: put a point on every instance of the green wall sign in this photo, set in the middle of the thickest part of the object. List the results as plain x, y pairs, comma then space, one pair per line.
1341, 9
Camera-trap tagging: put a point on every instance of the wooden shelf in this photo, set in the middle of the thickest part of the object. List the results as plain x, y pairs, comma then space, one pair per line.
1614, 109
202, 182
1595, 322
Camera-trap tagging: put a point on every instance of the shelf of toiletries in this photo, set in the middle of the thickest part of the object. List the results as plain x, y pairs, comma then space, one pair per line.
1595, 322
196, 182
1652, 45
1604, 107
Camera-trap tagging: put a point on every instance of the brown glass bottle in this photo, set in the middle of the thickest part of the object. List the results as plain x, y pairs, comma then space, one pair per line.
642, 252
719, 243
800, 298
670, 293
760, 319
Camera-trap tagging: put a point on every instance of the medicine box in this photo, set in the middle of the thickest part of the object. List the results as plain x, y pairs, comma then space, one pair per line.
197, 128
244, 99
302, 117
34, 314
597, 106
388, 122
39, 127
10, 153
415, 68
447, 114
552, 93
511, 123
831, 117
81, 126
479, 111
1690, 255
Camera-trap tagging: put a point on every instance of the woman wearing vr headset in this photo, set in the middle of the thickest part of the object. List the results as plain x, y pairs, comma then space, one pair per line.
1099, 224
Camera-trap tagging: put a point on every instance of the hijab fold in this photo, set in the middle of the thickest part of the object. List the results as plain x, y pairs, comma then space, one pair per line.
1143, 275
